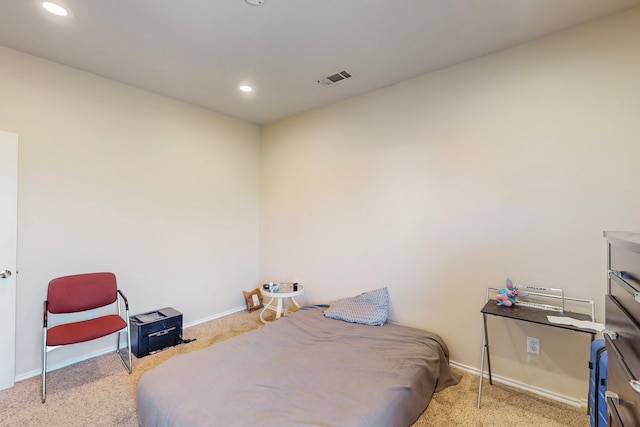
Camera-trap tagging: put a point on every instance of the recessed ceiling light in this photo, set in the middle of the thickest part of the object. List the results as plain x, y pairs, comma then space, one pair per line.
245, 88
54, 8
255, 2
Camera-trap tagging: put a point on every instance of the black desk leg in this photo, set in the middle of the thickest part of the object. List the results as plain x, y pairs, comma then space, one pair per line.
486, 344
485, 349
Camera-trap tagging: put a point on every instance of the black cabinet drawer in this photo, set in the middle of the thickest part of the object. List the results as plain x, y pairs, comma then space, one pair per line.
626, 291
624, 267
628, 404
626, 352
625, 257
628, 333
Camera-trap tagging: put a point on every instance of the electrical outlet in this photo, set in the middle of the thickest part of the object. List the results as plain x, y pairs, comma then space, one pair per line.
533, 345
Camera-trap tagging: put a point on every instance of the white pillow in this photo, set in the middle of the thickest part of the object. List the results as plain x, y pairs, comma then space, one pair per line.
369, 308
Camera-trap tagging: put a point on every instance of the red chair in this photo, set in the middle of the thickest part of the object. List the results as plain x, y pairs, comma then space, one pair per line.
82, 292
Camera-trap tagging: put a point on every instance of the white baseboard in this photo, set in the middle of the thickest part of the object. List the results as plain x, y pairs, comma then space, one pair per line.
215, 316
547, 394
112, 349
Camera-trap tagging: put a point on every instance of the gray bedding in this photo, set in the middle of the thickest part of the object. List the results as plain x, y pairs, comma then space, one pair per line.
301, 370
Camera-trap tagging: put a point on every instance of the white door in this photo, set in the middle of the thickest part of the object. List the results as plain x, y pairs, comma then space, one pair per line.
8, 243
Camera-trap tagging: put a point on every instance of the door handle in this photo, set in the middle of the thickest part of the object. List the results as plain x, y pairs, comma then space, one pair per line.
4, 274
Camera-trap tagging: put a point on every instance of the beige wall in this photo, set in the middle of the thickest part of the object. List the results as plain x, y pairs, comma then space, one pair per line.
509, 165
112, 178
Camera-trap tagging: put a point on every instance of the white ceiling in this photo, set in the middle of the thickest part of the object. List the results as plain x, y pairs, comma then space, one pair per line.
200, 51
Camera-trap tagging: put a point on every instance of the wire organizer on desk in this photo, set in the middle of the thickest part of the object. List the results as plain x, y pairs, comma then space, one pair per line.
544, 294
533, 312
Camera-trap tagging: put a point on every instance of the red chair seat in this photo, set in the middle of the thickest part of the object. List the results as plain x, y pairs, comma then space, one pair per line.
85, 330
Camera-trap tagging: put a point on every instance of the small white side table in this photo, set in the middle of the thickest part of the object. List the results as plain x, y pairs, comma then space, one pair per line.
286, 291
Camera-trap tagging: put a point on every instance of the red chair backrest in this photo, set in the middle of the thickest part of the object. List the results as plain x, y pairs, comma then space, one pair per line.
81, 292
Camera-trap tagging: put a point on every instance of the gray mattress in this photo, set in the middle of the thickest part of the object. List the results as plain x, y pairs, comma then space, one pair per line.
301, 370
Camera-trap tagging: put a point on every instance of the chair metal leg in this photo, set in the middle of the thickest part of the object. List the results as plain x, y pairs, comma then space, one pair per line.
44, 367
44, 351
128, 367
122, 298
129, 346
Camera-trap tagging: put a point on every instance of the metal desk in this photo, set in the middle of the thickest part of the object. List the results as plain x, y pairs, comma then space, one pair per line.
525, 314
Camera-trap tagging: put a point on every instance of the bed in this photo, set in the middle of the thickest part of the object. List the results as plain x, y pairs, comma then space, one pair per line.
303, 369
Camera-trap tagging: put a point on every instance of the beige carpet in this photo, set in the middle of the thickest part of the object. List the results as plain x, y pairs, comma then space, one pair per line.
99, 392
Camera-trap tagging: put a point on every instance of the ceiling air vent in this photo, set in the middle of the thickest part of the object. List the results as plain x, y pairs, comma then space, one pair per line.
334, 78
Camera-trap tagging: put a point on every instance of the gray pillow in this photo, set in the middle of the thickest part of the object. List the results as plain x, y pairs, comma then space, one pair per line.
369, 308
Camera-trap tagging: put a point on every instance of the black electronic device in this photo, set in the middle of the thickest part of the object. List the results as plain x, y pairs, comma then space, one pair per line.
155, 331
